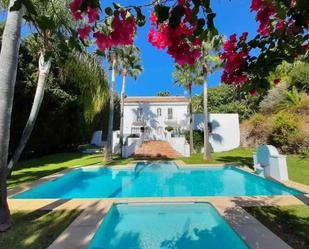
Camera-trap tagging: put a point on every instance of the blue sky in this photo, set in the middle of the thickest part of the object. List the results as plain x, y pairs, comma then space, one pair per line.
232, 17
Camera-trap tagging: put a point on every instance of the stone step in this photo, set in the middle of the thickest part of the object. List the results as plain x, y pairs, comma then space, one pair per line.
156, 149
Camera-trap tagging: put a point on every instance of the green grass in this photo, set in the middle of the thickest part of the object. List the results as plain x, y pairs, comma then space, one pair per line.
36, 229
290, 223
298, 167
30, 170
240, 156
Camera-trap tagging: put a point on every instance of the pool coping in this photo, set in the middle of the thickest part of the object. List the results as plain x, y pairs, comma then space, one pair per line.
249, 229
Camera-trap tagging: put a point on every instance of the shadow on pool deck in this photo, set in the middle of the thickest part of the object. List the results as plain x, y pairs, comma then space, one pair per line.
291, 228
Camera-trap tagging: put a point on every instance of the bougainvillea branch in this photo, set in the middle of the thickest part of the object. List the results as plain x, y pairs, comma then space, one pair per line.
282, 35
180, 26
176, 27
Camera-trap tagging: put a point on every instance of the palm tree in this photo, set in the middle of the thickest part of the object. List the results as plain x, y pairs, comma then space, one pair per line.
187, 76
129, 60
8, 67
113, 58
42, 45
209, 62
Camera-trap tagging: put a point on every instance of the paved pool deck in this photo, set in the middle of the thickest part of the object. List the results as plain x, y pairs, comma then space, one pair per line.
84, 226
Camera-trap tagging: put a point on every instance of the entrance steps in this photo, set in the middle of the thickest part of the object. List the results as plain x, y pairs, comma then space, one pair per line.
156, 149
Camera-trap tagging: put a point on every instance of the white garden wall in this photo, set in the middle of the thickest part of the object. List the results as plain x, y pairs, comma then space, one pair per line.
225, 130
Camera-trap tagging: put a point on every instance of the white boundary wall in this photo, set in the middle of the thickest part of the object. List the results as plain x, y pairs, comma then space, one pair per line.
225, 130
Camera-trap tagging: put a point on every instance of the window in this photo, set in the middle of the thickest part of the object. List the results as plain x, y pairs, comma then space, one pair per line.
139, 113
159, 112
170, 113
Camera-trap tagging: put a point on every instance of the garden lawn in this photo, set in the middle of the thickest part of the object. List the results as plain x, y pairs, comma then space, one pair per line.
36, 229
31, 170
298, 167
290, 223
239, 156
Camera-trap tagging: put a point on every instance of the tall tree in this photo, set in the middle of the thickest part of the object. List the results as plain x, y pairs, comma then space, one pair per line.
209, 62
50, 34
113, 59
8, 66
187, 76
129, 60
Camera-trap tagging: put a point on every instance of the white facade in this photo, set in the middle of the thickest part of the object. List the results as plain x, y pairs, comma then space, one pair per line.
154, 114
150, 116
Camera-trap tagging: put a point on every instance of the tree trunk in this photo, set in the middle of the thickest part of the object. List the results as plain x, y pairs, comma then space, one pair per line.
191, 120
123, 92
109, 146
44, 67
8, 67
207, 155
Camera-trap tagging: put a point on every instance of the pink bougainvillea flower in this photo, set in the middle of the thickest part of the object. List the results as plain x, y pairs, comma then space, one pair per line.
153, 19
253, 92
102, 41
84, 32
181, 2
244, 36
77, 15
74, 5
93, 14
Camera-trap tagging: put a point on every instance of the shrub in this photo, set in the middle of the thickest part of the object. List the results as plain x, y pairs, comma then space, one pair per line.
272, 102
198, 139
300, 77
227, 99
169, 128
286, 135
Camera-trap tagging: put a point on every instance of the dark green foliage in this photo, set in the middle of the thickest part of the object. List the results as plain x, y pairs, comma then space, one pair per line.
61, 125
198, 138
228, 99
169, 128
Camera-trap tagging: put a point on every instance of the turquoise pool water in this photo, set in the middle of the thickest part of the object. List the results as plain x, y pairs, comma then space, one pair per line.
156, 180
165, 226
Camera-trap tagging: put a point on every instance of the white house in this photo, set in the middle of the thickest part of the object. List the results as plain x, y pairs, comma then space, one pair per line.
147, 118
151, 115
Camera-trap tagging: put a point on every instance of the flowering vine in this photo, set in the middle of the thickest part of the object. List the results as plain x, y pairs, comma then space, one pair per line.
278, 22
180, 26
179, 41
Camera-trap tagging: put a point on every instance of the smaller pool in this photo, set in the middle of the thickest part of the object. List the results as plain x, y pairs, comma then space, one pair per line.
166, 226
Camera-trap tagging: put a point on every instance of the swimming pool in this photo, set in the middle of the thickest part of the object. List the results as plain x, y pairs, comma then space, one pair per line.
163, 179
165, 225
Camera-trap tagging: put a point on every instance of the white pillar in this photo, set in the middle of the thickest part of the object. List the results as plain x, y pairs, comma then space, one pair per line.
278, 167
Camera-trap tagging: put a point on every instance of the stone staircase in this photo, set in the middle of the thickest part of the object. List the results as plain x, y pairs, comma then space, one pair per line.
156, 149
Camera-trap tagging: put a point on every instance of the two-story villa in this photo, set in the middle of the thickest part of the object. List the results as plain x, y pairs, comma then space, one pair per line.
151, 115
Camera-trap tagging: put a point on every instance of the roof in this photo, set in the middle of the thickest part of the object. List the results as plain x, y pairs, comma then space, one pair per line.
156, 99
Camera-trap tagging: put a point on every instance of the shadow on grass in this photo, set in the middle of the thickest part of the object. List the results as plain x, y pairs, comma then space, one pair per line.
23, 177
56, 159
291, 224
239, 160
37, 229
